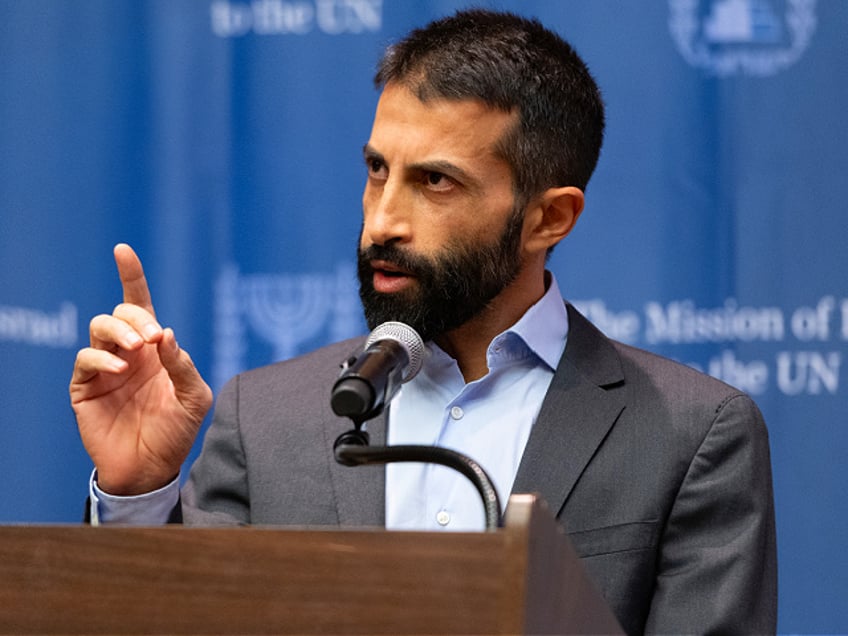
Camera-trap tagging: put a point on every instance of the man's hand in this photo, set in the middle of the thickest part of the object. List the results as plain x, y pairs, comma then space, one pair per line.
138, 399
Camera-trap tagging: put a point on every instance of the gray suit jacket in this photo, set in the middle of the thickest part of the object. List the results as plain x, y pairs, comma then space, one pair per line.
660, 475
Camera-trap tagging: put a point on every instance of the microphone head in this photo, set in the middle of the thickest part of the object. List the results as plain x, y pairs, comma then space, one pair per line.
406, 337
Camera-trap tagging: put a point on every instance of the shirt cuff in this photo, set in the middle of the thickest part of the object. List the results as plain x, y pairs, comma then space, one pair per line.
150, 509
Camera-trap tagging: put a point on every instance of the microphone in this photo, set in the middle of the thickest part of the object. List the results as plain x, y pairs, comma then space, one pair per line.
393, 354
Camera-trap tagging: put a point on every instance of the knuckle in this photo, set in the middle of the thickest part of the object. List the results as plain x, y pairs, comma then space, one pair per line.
124, 311
98, 321
82, 356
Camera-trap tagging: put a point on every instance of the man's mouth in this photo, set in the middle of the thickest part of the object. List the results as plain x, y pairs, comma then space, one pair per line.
388, 278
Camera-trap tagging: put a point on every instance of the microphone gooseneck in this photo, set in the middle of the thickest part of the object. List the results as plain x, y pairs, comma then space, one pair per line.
351, 449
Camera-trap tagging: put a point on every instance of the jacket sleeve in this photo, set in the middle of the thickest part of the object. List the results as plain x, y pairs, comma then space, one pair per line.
717, 569
216, 492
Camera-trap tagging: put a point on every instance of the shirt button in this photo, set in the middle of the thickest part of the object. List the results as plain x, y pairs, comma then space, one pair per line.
443, 517
456, 412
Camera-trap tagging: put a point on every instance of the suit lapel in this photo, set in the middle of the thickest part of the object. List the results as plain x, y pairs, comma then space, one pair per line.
576, 415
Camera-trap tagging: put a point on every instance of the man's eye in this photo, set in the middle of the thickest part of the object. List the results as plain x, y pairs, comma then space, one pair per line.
438, 182
376, 167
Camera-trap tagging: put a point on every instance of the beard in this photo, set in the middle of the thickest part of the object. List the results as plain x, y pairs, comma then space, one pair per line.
450, 288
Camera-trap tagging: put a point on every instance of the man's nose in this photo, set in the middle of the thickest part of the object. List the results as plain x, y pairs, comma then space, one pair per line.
387, 216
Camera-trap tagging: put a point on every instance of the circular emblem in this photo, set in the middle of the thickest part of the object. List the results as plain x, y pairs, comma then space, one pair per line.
751, 37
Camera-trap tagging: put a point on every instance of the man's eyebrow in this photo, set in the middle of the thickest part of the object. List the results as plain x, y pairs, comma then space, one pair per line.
446, 167
436, 165
369, 153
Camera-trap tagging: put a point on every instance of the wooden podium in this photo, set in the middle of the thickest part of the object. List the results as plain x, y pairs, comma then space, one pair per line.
524, 578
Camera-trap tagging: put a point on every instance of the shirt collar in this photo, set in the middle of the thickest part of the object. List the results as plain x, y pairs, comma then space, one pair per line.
544, 327
542, 331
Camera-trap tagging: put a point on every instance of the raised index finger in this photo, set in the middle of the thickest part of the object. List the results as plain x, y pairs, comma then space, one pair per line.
132, 277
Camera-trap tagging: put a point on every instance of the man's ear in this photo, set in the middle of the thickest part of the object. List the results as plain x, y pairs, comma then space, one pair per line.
552, 216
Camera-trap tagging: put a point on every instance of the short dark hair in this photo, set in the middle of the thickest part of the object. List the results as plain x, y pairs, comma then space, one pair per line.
510, 63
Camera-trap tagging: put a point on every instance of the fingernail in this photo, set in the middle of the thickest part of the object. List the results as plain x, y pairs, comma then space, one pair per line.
151, 330
118, 365
132, 339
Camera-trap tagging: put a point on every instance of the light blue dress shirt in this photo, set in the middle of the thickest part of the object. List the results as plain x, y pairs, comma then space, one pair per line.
489, 420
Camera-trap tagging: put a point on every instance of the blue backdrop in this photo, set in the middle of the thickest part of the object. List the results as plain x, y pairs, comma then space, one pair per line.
222, 139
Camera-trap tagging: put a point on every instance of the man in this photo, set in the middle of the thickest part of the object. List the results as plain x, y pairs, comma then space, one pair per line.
485, 136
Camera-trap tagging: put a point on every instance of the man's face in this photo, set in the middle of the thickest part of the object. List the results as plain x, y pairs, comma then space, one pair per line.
441, 238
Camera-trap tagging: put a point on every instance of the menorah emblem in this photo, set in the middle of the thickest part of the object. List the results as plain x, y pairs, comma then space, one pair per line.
285, 310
